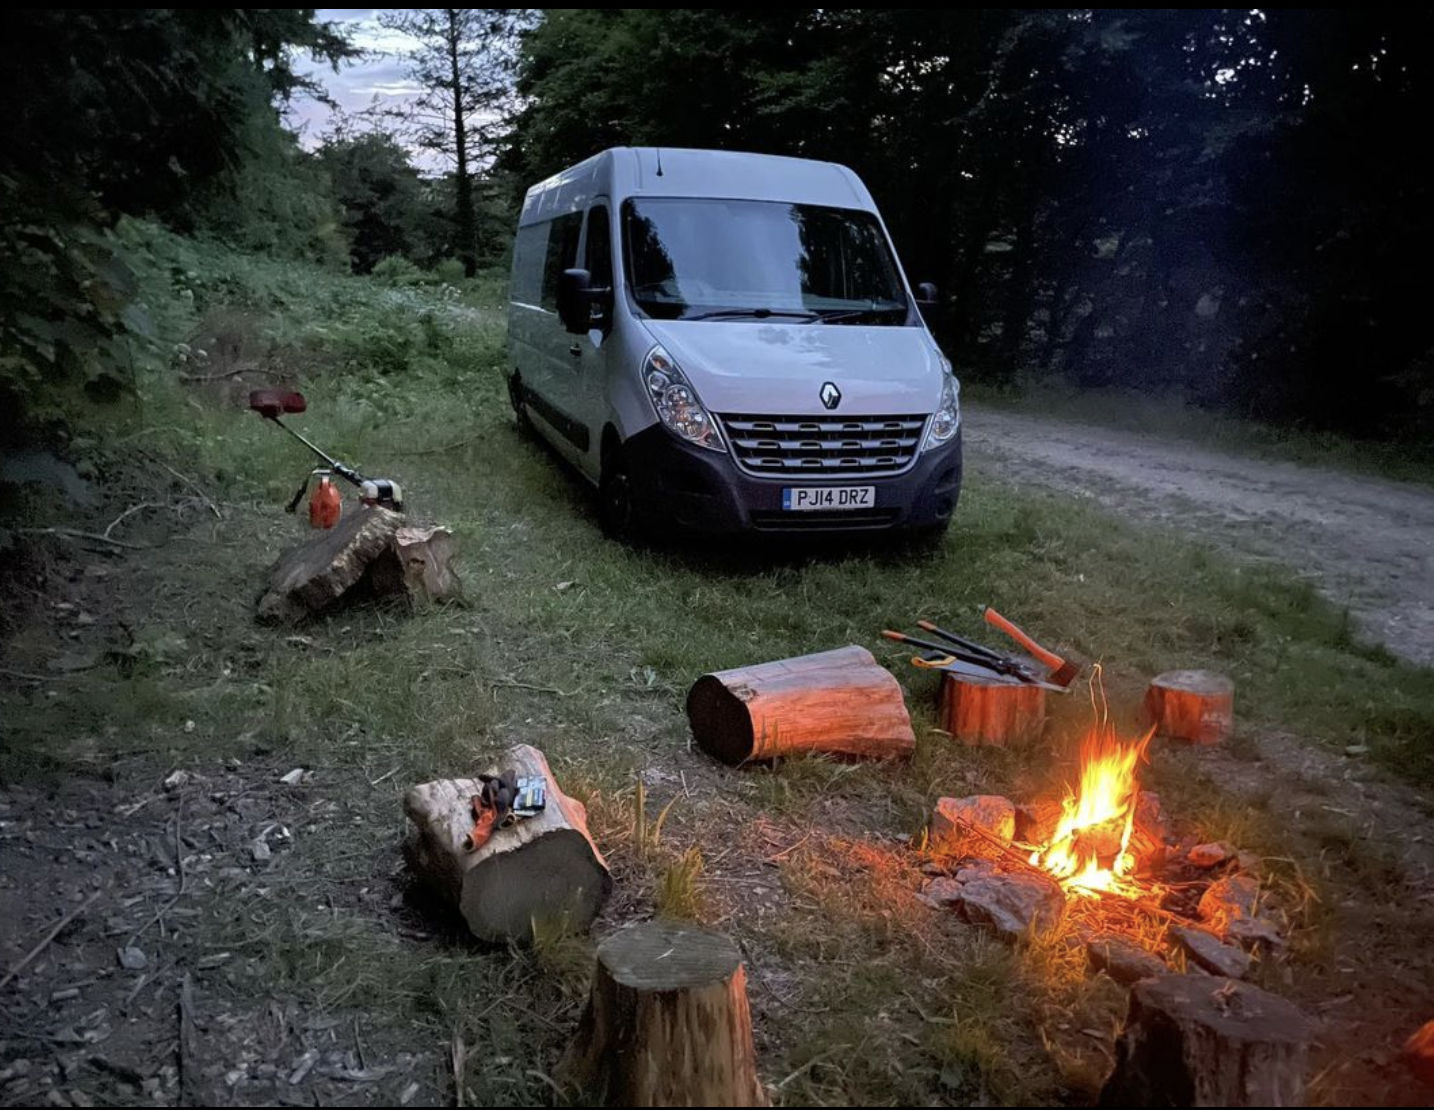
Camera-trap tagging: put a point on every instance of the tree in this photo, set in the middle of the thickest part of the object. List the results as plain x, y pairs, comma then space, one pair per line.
462, 60
141, 111
1220, 202
380, 193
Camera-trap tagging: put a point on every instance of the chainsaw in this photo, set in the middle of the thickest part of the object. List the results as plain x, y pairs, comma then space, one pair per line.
273, 403
501, 801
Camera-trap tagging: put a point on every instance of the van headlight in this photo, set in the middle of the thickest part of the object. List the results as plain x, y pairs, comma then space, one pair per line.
676, 402
947, 420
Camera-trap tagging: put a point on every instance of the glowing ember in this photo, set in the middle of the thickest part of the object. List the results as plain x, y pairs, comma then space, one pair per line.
1088, 850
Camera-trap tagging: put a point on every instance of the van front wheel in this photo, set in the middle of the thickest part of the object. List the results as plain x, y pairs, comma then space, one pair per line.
616, 510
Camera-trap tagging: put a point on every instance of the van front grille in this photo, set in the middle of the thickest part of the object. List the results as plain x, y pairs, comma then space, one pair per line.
827, 446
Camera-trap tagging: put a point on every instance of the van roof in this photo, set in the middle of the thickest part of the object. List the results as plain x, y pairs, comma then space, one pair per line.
623, 172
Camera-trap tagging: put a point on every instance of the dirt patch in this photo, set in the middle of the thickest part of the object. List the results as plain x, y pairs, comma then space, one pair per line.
1366, 542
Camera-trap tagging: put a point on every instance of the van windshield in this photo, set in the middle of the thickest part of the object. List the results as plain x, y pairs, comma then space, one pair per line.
729, 259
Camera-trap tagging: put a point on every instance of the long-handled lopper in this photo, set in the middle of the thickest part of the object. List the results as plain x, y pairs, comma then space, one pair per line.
999, 661
947, 658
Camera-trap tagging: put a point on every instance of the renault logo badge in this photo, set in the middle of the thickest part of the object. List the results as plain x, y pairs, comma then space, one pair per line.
830, 395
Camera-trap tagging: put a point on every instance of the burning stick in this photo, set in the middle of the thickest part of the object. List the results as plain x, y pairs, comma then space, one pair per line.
1088, 849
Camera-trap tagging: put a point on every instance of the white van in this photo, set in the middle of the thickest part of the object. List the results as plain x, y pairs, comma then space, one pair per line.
725, 342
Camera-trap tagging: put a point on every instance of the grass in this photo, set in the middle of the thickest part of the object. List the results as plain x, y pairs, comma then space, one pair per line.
585, 649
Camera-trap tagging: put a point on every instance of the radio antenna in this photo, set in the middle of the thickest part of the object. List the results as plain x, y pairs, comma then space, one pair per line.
659, 160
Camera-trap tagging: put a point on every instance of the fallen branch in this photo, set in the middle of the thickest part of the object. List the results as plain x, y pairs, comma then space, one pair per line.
510, 685
58, 928
184, 1050
183, 879
129, 513
77, 534
188, 481
221, 375
26, 676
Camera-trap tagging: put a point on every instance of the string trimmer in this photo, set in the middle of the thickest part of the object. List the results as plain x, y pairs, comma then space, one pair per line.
273, 403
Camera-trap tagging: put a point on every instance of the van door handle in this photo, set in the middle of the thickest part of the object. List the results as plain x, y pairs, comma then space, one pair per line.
575, 351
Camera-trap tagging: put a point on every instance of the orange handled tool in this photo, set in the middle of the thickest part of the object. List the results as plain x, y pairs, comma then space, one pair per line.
1062, 674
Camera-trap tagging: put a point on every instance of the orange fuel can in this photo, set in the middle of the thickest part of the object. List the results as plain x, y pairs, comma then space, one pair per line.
325, 504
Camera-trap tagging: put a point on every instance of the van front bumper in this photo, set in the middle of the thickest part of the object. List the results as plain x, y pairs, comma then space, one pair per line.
677, 485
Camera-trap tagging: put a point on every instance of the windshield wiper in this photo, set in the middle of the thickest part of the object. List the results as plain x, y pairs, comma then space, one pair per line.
856, 313
758, 313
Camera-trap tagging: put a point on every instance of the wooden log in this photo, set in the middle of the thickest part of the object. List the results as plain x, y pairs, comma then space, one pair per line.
1191, 705
417, 564
426, 555
314, 575
544, 869
1200, 1040
667, 1022
839, 701
983, 711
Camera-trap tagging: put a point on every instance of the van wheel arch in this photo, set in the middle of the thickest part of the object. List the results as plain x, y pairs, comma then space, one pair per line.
616, 510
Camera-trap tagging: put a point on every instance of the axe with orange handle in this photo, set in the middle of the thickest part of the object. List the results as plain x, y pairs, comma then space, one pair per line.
1063, 671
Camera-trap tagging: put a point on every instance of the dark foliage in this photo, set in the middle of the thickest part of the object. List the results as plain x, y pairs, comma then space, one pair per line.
155, 111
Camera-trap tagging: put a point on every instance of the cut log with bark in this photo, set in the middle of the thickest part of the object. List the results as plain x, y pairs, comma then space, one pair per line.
543, 870
667, 1022
369, 554
418, 564
985, 711
1200, 1040
842, 702
313, 576
1191, 705
427, 556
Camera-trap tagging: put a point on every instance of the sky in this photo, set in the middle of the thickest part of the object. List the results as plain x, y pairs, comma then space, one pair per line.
378, 77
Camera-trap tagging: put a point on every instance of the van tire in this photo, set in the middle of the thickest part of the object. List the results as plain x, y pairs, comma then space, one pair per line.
520, 407
617, 512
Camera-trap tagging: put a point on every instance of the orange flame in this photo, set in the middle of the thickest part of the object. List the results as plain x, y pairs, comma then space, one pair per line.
1088, 849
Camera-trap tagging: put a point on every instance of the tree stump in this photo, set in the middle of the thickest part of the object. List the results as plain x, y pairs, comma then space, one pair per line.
839, 701
311, 577
983, 711
667, 1022
1191, 705
541, 869
1200, 1040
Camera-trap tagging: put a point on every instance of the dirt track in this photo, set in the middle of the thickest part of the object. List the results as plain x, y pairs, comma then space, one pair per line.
1366, 542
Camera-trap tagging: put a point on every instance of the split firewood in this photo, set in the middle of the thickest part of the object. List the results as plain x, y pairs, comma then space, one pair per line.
667, 1023
419, 563
314, 575
1191, 705
368, 553
841, 701
1200, 1040
539, 870
987, 711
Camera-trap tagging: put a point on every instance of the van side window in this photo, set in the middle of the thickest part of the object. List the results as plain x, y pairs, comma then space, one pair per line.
599, 248
528, 253
562, 255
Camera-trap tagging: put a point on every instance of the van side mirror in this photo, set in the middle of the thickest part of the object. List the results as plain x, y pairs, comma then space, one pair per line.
581, 307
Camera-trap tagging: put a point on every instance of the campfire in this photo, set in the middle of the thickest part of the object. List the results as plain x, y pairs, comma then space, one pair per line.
1090, 848
1106, 853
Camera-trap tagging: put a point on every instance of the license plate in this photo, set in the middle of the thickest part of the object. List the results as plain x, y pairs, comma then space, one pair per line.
804, 499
